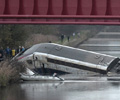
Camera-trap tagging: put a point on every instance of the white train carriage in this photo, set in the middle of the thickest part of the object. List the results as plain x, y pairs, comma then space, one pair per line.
47, 53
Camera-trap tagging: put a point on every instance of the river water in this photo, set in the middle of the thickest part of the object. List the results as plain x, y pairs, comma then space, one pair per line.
99, 88
68, 90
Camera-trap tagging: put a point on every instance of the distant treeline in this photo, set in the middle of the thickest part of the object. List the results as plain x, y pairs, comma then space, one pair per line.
15, 35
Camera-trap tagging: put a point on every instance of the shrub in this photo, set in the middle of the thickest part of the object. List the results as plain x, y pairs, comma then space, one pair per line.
9, 72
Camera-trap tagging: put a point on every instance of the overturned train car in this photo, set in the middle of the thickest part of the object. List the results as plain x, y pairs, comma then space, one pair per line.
47, 53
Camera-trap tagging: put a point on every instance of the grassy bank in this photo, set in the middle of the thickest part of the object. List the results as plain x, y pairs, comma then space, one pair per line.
75, 40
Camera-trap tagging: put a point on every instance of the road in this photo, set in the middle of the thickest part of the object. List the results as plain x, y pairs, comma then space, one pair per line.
104, 42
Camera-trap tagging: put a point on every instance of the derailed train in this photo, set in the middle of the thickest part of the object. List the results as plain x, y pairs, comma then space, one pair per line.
47, 53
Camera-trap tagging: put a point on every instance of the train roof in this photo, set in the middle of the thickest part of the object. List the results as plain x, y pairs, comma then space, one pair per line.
71, 53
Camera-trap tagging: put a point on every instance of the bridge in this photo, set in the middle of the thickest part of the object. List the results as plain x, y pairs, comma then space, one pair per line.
103, 12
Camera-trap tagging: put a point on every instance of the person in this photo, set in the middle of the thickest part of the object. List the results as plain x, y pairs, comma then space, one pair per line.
13, 52
1, 54
23, 48
19, 49
73, 34
62, 38
68, 38
56, 75
8, 52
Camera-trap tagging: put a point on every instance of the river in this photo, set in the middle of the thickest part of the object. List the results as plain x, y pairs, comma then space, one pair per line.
68, 90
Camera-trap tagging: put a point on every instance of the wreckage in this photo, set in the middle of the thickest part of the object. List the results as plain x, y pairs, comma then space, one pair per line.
41, 56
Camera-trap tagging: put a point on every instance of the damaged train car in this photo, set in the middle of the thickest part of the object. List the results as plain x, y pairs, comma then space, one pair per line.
50, 53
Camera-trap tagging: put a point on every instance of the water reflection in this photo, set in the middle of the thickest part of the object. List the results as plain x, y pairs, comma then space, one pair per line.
32, 91
74, 90
13, 92
116, 84
42, 90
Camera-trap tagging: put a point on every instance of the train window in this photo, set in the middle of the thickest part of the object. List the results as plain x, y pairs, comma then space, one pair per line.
56, 61
69, 64
29, 61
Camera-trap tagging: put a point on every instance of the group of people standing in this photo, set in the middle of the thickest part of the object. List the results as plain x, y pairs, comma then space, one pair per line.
9, 53
63, 36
